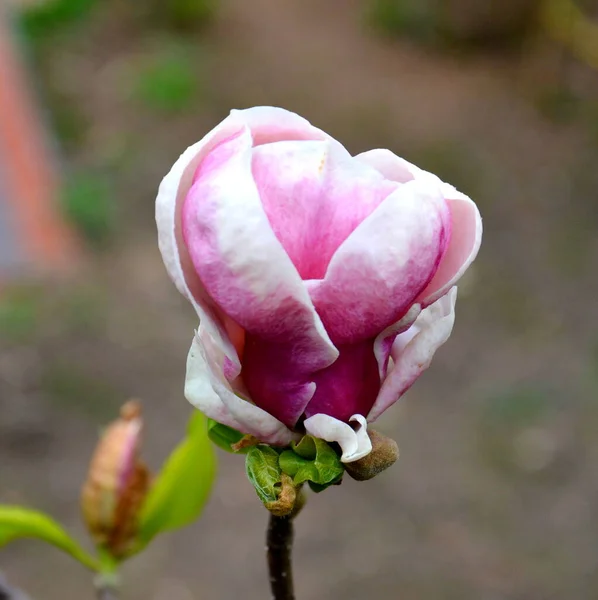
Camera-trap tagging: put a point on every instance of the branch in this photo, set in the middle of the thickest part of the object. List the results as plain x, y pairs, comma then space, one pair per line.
279, 541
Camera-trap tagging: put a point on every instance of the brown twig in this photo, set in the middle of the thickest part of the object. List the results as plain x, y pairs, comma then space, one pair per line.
279, 541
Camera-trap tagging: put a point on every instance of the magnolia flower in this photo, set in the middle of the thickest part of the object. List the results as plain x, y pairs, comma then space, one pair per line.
324, 282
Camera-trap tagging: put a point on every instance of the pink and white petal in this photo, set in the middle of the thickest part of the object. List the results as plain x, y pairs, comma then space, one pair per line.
413, 350
349, 386
200, 392
390, 165
375, 276
171, 195
466, 238
354, 441
315, 195
272, 124
204, 362
267, 124
384, 342
247, 273
466, 222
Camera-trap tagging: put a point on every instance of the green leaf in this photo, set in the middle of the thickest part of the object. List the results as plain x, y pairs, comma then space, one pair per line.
307, 448
320, 488
261, 466
18, 522
298, 468
312, 460
181, 489
224, 436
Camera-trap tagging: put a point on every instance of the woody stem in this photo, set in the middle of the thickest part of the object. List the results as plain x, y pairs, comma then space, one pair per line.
279, 542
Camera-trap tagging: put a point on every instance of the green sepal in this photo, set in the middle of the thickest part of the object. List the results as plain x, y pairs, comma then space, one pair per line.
312, 460
17, 522
263, 471
317, 488
224, 437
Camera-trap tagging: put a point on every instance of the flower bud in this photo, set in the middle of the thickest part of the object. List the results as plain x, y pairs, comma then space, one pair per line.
384, 454
281, 318
117, 484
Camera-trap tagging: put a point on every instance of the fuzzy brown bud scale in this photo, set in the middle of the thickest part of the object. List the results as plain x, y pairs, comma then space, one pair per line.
384, 454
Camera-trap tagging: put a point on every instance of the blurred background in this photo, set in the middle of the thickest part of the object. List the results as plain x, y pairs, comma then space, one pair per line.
495, 496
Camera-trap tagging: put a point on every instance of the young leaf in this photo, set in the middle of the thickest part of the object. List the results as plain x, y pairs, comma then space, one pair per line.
224, 436
182, 488
298, 468
306, 448
312, 460
261, 466
18, 522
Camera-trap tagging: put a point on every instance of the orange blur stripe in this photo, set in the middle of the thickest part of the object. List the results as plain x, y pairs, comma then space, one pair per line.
32, 186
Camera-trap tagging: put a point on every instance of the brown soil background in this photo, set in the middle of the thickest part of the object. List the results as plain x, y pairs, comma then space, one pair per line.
495, 496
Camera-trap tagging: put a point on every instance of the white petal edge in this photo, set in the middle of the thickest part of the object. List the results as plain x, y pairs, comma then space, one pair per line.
413, 350
354, 441
391, 332
467, 210
175, 184
390, 165
209, 391
200, 392
395, 168
288, 125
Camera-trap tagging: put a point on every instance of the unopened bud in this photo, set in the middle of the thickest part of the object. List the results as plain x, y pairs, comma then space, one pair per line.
117, 484
384, 454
